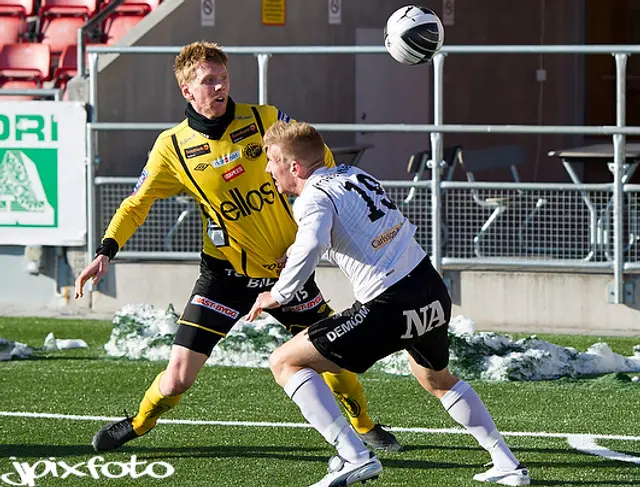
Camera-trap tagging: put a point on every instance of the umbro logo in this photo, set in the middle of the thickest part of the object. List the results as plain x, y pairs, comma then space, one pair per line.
201, 167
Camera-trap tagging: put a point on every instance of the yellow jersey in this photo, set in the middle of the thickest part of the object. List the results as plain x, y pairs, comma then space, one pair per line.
245, 220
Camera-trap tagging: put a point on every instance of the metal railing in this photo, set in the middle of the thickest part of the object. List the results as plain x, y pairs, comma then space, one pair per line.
619, 131
55, 93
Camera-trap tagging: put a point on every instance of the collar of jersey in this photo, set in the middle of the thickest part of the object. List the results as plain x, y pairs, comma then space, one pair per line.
211, 128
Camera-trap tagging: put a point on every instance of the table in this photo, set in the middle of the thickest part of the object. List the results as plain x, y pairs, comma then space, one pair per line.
598, 153
599, 219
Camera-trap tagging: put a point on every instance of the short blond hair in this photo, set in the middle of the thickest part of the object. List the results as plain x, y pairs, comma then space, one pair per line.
299, 141
192, 55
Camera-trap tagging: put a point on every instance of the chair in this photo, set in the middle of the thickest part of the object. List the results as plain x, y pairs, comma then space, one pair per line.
500, 157
24, 66
419, 162
118, 24
59, 21
13, 20
25, 62
67, 67
135, 6
11, 29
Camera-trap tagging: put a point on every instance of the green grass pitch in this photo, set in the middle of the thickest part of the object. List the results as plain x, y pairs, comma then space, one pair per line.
204, 446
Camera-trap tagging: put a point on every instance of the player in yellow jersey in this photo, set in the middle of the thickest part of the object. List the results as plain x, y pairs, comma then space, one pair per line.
216, 156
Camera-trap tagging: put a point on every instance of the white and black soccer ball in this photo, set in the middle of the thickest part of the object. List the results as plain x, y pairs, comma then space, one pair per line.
413, 35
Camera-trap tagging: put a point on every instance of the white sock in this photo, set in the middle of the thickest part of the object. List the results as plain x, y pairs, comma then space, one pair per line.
465, 406
316, 402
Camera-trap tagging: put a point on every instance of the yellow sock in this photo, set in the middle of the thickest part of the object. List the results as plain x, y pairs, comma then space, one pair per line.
348, 389
152, 406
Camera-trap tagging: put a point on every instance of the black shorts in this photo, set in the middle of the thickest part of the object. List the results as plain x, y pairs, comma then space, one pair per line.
221, 297
411, 315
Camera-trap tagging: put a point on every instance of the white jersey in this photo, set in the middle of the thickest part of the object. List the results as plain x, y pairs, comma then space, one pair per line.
344, 212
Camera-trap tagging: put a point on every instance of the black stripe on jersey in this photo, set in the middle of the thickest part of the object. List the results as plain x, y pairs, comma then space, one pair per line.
329, 196
174, 139
256, 114
285, 203
243, 256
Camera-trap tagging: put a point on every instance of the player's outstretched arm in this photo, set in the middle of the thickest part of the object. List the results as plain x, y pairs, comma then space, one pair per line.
96, 270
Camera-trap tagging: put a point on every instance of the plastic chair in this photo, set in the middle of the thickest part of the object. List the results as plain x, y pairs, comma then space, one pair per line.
11, 29
25, 62
482, 160
13, 19
59, 21
136, 6
419, 162
118, 24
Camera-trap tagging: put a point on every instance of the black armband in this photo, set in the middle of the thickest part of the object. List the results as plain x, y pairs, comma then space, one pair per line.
108, 247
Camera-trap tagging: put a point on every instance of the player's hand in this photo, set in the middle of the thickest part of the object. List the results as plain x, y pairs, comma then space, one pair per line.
96, 270
263, 301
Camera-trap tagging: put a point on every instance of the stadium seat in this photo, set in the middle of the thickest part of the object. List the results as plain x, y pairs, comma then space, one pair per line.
13, 19
15, 84
136, 6
11, 29
59, 21
118, 24
67, 66
68, 7
31, 62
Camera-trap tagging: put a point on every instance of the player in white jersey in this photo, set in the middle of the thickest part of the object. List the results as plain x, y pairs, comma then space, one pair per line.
401, 303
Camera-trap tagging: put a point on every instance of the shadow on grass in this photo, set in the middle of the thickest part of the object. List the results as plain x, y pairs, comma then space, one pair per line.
45, 451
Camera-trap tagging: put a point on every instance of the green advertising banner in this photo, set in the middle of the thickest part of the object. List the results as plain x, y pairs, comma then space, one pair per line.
42, 173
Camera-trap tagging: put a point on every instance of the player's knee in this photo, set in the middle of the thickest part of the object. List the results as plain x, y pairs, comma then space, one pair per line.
176, 380
279, 364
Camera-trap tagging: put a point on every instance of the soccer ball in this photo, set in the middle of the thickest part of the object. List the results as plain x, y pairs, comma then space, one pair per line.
413, 35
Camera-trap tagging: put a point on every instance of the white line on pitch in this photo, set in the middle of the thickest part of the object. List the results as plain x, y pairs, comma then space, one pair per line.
455, 431
587, 444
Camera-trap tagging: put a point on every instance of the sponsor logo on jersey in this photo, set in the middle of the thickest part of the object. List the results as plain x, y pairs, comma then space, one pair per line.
243, 133
348, 325
201, 167
274, 266
214, 306
259, 283
385, 237
141, 179
304, 306
233, 173
243, 117
226, 159
252, 151
197, 150
187, 139
283, 116
245, 204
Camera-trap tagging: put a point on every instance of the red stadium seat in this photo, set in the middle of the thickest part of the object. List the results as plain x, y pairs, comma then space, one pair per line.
136, 6
119, 24
60, 20
20, 8
11, 29
25, 62
13, 19
14, 83
60, 31
68, 7
68, 63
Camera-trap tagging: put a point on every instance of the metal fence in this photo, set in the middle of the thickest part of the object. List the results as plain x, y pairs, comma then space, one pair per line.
486, 224
500, 224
